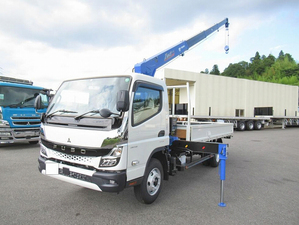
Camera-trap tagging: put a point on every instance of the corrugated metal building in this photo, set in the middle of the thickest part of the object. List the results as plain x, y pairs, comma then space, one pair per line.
213, 95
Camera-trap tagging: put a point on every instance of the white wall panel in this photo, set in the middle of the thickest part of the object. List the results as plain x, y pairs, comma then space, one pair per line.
225, 94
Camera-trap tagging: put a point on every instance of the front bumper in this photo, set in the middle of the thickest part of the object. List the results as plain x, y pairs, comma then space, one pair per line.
96, 180
8, 135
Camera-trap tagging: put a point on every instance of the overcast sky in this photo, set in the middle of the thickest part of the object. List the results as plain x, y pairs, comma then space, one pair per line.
48, 41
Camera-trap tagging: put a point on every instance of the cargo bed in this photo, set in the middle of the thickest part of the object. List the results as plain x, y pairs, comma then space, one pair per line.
204, 131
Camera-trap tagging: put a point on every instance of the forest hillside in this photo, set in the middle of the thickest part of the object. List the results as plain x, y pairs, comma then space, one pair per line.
283, 69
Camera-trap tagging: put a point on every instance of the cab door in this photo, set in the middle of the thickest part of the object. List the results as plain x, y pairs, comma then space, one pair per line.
147, 126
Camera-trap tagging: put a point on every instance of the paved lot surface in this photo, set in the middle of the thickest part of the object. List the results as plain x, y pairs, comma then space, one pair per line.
261, 187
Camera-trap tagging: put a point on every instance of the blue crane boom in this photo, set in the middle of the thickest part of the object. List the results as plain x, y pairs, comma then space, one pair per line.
149, 66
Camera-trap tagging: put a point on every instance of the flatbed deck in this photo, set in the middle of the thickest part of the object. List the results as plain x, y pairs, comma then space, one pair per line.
204, 131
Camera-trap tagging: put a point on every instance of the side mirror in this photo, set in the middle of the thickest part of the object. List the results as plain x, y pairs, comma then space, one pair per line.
122, 103
38, 102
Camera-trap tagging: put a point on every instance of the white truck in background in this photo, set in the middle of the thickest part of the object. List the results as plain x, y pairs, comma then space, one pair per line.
108, 133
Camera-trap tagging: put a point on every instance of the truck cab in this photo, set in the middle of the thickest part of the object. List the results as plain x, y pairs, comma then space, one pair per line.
84, 118
19, 122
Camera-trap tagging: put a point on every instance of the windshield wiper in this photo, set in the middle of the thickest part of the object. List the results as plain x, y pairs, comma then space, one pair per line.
105, 113
83, 114
61, 110
15, 105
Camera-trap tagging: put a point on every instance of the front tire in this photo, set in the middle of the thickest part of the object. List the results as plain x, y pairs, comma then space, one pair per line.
150, 187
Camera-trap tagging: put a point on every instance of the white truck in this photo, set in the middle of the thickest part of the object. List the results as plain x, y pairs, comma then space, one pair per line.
111, 132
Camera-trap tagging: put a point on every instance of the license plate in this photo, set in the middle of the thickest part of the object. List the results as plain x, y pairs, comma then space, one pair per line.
51, 168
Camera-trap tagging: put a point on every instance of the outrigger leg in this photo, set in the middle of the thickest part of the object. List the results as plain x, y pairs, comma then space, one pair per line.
222, 156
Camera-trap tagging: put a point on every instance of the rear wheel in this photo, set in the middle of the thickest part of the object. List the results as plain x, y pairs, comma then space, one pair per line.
214, 162
207, 162
241, 125
249, 125
148, 191
257, 125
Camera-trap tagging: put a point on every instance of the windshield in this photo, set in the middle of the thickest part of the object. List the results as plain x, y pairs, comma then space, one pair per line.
81, 96
20, 97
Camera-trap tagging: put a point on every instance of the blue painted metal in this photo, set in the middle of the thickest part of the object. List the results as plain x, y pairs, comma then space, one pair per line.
172, 139
149, 66
222, 156
222, 151
20, 118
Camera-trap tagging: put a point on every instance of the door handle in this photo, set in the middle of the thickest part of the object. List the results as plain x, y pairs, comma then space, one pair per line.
161, 133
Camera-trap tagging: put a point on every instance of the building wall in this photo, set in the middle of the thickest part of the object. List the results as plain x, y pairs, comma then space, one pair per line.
223, 95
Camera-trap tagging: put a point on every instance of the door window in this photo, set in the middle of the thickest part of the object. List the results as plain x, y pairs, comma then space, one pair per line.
146, 104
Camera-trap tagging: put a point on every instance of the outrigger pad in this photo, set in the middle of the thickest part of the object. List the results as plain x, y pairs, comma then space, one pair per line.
196, 147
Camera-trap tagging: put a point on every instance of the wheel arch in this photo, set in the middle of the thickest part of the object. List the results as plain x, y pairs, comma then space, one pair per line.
161, 155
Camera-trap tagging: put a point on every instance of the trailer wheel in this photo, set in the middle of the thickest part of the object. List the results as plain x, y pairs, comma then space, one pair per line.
241, 125
249, 125
148, 191
257, 125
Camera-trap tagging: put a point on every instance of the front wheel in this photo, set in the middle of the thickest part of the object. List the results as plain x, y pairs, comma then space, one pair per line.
148, 191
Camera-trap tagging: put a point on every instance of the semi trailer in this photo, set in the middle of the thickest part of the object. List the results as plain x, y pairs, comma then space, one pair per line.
248, 104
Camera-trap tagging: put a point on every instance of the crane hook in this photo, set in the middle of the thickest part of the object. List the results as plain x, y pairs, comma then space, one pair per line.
226, 48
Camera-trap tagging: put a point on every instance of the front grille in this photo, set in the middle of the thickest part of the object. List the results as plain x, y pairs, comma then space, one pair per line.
25, 123
75, 150
24, 118
72, 158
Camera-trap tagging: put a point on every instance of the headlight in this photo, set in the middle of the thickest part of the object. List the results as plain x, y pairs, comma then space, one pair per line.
116, 152
43, 150
113, 158
3, 123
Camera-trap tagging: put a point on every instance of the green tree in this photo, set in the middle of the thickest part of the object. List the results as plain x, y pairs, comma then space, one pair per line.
269, 61
234, 70
256, 66
281, 56
289, 57
215, 70
283, 70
